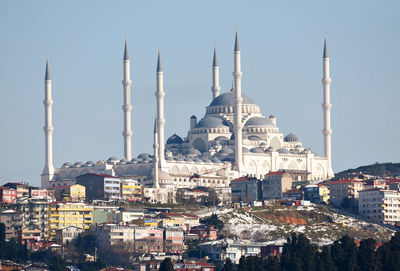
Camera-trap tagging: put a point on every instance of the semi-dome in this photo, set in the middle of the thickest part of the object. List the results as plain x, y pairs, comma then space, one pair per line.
254, 138
174, 139
291, 138
228, 99
258, 121
245, 150
210, 122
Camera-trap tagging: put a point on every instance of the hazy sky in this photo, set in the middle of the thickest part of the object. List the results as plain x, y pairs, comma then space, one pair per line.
281, 46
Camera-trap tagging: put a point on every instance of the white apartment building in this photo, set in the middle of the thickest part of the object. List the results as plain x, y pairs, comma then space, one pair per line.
380, 205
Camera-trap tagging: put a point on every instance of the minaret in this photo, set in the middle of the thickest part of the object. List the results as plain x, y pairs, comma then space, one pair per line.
215, 76
326, 109
160, 110
156, 183
237, 75
48, 171
127, 107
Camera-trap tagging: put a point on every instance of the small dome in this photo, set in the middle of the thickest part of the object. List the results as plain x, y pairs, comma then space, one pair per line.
193, 117
291, 138
194, 151
188, 159
89, 164
225, 152
245, 150
78, 164
123, 162
257, 150
112, 159
210, 122
66, 165
258, 121
197, 160
179, 158
283, 151
228, 99
143, 156
174, 139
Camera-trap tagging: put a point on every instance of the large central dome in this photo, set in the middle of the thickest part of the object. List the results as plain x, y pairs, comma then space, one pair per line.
228, 99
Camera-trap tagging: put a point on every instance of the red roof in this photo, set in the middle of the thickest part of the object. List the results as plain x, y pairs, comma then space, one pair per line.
116, 269
63, 186
275, 173
244, 178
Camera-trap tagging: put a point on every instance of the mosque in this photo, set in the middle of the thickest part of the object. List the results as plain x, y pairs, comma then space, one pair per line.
231, 140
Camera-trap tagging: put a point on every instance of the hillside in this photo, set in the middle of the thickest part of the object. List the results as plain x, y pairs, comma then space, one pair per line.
318, 223
377, 169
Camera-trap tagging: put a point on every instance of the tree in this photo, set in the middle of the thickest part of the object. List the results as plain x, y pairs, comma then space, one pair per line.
166, 265
213, 220
212, 198
242, 264
367, 255
2, 240
228, 266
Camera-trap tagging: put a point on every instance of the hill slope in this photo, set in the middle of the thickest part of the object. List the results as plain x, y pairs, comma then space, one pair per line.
377, 169
318, 223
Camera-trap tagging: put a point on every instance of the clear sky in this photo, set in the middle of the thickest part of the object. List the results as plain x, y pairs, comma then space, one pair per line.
281, 46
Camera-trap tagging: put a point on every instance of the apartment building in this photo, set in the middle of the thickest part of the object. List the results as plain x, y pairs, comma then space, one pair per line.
379, 205
13, 221
275, 184
246, 189
75, 192
7, 195
173, 240
342, 189
100, 186
35, 212
67, 234
131, 190
66, 214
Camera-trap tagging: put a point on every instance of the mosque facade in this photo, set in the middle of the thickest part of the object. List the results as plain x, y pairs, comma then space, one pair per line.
231, 140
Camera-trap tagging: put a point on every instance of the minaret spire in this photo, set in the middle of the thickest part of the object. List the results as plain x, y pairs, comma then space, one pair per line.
127, 107
326, 109
156, 183
215, 76
48, 170
237, 75
160, 110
